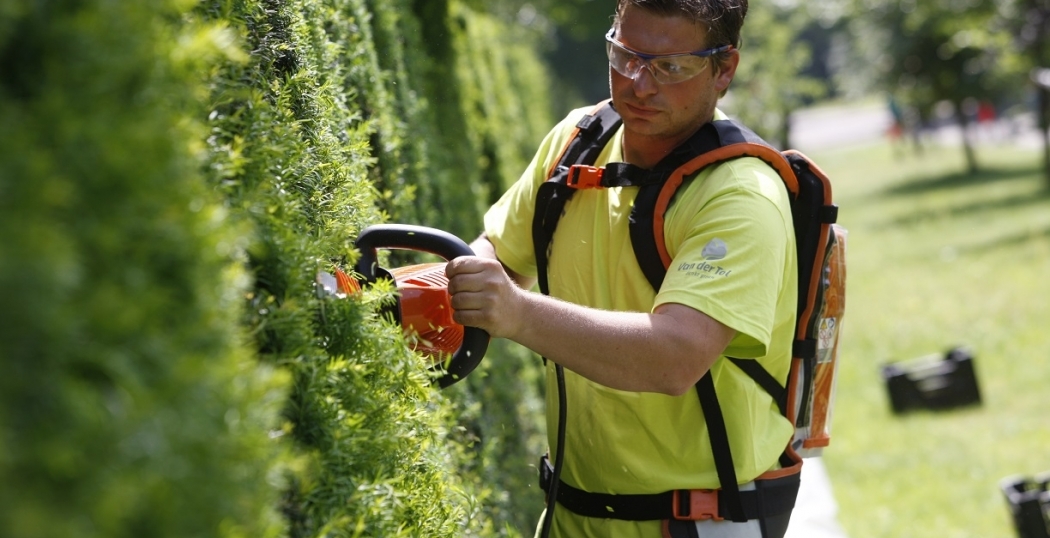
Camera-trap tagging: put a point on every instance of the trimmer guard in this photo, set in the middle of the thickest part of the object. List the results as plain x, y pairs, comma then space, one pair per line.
424, 308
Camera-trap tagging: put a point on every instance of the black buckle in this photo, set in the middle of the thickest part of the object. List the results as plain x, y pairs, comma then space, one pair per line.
546, 473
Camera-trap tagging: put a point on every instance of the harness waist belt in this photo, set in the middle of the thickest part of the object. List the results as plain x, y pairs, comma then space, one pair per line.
770, 497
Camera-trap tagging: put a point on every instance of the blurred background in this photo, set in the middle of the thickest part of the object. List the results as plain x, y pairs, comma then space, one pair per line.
175, 174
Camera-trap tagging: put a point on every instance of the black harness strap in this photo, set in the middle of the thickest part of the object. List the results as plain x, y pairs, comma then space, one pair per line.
716, 430
765, 380
769, 498
595, 131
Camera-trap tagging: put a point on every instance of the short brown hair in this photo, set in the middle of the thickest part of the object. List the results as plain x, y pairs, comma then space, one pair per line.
722, 18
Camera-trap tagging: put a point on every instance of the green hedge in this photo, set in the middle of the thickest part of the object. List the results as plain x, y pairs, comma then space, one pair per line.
291, 146
173, 176
129, 404
340, 110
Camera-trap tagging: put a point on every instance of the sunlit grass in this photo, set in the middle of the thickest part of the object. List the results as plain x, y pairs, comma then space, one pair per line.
938, 258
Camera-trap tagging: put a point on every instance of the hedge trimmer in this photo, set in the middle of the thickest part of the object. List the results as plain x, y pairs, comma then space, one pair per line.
423, 307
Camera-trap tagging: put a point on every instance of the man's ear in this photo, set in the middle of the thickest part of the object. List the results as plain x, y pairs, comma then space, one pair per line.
726, 71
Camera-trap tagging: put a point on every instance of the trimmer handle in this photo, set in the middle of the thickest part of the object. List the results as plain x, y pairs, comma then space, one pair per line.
437, 242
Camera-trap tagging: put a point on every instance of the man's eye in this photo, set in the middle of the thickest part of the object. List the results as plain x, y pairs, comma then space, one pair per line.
626, 56
669, 67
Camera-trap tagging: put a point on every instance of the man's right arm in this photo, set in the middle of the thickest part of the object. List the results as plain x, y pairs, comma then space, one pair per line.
665, 351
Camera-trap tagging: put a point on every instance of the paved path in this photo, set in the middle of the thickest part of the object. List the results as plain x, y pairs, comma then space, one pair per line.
828, 127
816, 512
838, 126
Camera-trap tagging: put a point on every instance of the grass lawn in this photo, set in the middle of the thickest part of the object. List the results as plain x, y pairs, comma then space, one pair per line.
938, 258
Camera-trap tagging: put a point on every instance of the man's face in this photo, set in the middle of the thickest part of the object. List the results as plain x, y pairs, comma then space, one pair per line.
667, 113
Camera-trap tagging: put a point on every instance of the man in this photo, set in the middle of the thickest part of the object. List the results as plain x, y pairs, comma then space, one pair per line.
632, 354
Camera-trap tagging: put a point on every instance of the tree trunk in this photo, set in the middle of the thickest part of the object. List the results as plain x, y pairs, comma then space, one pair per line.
1040, 10
964, 125
1044, 129
785, 130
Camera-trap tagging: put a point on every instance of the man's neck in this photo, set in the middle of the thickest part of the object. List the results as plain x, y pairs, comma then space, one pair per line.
647, 151
644, 154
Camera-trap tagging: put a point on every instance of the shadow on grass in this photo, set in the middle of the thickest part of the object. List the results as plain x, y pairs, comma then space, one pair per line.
995, 204
957, 180
1005, 241
963, 180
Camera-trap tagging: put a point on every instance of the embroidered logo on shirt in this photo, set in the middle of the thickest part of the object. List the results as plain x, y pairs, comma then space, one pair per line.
714, 250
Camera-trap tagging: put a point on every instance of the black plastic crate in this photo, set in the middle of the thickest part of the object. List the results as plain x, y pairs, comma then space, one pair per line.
1029, 503
933, 382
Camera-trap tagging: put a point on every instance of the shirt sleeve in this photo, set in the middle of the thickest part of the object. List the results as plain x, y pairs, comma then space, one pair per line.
728, 235
508, 223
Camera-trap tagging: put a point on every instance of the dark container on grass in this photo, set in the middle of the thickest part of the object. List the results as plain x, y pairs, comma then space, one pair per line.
1029, 503
932, 382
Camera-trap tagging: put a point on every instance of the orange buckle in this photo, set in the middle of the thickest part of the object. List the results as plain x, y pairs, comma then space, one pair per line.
703, 504
582, 176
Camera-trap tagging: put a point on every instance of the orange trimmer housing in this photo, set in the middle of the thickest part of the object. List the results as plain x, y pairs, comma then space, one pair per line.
426, 309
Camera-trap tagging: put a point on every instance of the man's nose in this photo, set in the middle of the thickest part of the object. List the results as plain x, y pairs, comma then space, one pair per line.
644, 80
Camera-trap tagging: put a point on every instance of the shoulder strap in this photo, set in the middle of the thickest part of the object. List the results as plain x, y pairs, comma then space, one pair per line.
590, 136
588, 139
715, 142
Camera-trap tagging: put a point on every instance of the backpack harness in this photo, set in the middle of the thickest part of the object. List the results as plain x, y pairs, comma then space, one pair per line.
821, 267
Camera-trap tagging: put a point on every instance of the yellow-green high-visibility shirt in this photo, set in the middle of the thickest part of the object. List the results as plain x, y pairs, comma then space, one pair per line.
730, 235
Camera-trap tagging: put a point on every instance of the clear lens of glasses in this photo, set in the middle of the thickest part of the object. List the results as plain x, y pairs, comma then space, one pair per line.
665, 69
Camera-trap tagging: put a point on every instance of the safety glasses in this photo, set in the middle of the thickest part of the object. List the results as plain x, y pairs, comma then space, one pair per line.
665, 68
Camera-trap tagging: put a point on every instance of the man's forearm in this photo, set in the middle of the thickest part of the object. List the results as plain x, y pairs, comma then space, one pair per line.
666, 351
